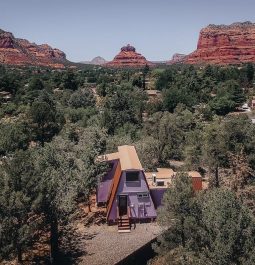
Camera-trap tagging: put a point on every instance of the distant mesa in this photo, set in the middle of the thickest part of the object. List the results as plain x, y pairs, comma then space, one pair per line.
225, 44
14, 51
96, 61
128, 57
177, 58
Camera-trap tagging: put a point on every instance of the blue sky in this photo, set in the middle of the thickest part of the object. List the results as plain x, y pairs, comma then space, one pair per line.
84, 29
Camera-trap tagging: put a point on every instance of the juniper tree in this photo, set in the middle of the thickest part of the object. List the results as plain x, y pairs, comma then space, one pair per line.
66, 169
57, 171
177, 215
91, 143
250, 72
227, 230
46, 119
214, 149
211, 228
18, 200
82, 99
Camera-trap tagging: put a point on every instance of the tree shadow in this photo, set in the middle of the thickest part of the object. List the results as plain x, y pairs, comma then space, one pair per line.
97, 218
72, 247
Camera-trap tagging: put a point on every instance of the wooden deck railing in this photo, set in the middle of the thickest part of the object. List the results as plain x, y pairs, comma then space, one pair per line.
129, 212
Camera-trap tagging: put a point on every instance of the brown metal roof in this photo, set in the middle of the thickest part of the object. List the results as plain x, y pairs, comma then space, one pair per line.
127, 156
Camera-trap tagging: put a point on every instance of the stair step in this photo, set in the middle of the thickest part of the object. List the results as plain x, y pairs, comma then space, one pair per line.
123, 222
124, 225
124, 231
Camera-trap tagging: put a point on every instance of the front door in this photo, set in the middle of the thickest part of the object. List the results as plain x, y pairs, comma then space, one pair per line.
122, 205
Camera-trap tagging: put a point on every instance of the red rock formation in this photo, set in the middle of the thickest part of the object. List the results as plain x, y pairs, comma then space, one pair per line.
128, 57
21, 52
177, 58
233, 44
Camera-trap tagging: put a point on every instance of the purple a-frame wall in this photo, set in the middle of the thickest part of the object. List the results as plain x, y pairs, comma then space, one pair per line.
140, 208
103, 188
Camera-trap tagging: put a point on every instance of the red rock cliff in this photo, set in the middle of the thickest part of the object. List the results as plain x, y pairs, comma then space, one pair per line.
15, 51
233, 44
128, 57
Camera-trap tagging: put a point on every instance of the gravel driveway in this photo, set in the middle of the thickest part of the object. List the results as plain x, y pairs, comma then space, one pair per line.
106, 246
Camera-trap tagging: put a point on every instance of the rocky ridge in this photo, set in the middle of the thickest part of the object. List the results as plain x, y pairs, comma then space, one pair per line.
15, 51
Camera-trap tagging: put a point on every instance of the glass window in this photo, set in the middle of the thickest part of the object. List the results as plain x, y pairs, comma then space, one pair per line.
143, 195
160, 183
132, 176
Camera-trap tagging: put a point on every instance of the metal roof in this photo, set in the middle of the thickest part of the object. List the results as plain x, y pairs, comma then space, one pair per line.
127, 155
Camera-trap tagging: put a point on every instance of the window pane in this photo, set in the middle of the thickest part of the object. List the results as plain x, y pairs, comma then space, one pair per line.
132, 176
160, 183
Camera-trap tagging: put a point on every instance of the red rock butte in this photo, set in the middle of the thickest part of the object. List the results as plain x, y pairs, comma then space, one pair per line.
225, 44
128, 57
20, 52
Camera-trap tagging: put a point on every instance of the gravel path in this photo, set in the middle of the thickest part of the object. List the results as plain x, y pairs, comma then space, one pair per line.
107, 246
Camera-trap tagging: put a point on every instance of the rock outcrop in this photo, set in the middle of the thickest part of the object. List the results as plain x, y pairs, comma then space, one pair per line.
96, 61
233, 44
128, 57
14, 51
177, 58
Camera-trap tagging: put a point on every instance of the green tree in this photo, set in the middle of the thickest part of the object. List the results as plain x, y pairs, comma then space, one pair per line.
69, 81
118, 110
13, 137
165, 79
229, 96
177, 216
214, 149
33, 90
250, 73
228, 230
235, 92
91, 143
174, 96
82, 99
58, 175
147, 149
170, 130
18, 200
193, 149
137, 81
212, 228
35, 84
46, 118
67, 170
222, 105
